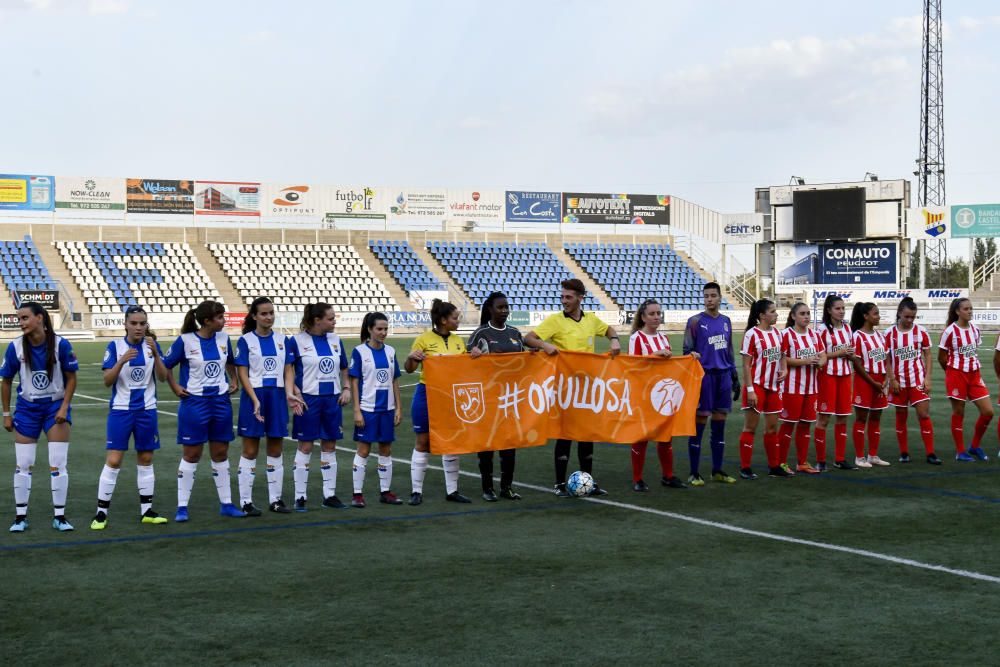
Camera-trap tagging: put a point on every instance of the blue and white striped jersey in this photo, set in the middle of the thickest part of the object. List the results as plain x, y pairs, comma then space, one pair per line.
203, 363
136, 385
318, 361
264, 357
35, 384
375, 370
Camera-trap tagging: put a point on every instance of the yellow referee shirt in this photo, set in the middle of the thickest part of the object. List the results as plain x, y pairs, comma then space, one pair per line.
432, 343
567, 334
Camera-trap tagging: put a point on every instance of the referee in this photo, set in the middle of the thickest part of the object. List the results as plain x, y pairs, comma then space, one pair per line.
573, 330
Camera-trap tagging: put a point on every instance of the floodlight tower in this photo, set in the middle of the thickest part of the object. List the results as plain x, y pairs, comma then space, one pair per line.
930, 164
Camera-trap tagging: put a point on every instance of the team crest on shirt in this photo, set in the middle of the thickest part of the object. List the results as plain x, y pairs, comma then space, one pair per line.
470, 403
138, 374
39, 380
382, 376
270, 364
213, 370
326, 365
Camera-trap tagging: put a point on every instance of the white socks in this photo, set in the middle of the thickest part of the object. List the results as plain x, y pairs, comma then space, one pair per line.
58, 454
220, 472
384, 473
418, 470
185, 482
106, 487
244, 479
275, 476
145, 480
300, 473
328, 466
450, 473
358, 473
24, 455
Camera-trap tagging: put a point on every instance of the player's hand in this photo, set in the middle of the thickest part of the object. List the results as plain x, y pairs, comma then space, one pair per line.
550, 349
782, 374
359, 419
417, 355
894, 386
233, 386
927, 388
665, 353
879, 389
751, 398
256, 412
129, 355
8, 424
345, 397
397, 418
616, 347
151, 344
475, 353
179, 391
296, 403
61, 414
696, 356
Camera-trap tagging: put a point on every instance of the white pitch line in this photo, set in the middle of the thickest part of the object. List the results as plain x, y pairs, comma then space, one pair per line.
826, 546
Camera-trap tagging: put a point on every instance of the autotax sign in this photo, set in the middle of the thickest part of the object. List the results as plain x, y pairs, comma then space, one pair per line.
975, 221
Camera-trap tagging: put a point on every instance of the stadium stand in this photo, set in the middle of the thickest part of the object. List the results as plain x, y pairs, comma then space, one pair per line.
528, 273
631, 273
22, 267
162, 277
403, 265
293, 275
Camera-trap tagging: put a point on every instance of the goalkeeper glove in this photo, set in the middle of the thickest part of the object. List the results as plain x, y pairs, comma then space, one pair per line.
736, 387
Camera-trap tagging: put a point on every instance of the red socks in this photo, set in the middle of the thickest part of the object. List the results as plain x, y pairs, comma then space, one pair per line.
927, 434
957, 434
901, 434
820, 435
802, 443
665, 452
638, 460
772, 450
981, 425
874, 435
785, 440
839, 441
746, 449
859, 438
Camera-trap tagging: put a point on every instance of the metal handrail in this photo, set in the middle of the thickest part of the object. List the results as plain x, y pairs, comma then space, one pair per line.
986, 271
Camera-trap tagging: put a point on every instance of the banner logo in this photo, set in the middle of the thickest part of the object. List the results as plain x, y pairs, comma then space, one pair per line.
469, 404
291, 196
667, 396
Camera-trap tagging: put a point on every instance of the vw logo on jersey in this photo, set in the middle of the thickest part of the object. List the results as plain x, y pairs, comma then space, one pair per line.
213, 369
326, 365
270, 363
382, 376
39, 380
138, 374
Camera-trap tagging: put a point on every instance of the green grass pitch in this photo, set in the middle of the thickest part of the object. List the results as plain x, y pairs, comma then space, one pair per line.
543, 580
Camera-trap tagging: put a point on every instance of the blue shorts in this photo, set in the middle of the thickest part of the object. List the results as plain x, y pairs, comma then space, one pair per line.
31, 419
378, 427
140, 424
273, 408
716, 392
322, 419
418, 410
202, 419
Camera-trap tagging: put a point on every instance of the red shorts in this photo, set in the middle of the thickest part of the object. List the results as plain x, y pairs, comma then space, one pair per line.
834, 394
865, 395
908, 397
798, 407
965, 385
768, 400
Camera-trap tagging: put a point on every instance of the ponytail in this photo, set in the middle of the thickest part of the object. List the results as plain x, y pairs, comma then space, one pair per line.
369, 322
758, 308
196, 317
858, 314
313, 312
828, 303
790, 322
637, 321
440, 310
953, 310
250, 321
50, 337
906, 303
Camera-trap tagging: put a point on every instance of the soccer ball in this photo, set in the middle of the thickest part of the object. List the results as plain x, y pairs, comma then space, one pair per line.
580, 484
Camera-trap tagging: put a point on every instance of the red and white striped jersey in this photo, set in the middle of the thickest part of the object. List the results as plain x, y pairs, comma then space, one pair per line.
795, 345
834, 340
907, 351
871, 349
962, 346
764, 350
640, 343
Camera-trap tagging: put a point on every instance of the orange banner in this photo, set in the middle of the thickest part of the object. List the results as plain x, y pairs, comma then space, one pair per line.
500, 401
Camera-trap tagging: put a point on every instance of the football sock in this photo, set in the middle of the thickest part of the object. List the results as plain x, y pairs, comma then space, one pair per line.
58, 453
585, 454
106, 487
785, 440
145, 480
839, 441
977, 436
275, 478
507, 458
665, 453
328, 469
694, 447
746, 448
802, 443
418, 470
957, 432
300, 473
874, 435
927, 434
717, 442
244, 479
24, 455
771, 450
562, 459
185, 481
358, 472
638, 457
902, 436
858, 437
820, 435
486, 469
220, 473
384, 473
450, 464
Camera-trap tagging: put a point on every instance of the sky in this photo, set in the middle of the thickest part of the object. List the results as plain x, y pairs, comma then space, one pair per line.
700, 100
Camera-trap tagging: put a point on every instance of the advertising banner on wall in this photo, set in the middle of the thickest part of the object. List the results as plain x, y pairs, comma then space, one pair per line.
928, 223
22, 192
48, 299
932, 297
291, 203
742, 229
615, 209
800, 266
159, 196
419, 203
90, 193
476, 205
348, 204
528, 206
227, 198
975, 221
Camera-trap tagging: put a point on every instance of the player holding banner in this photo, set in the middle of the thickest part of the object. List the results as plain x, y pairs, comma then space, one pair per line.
958, 355
910, 356
804, 356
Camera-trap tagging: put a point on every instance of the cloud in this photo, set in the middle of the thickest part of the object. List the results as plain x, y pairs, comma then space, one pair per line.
259, 36
475, 123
